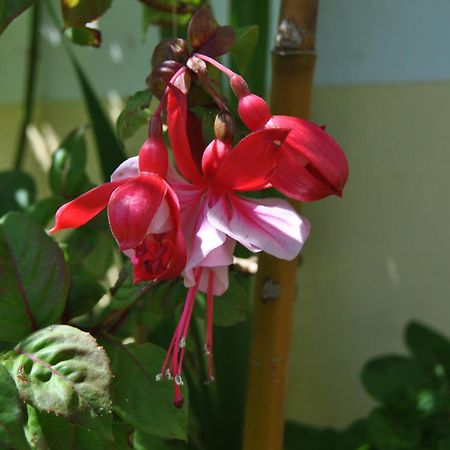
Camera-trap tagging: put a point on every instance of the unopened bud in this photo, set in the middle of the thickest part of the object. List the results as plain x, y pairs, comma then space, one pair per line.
224, 126
253, 110
153, 155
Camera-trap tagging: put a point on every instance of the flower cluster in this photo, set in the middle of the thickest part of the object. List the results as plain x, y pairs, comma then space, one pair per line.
186, 218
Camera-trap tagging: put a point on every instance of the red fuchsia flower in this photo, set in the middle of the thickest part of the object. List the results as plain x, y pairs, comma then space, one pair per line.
311, 163
143, 211
214, 216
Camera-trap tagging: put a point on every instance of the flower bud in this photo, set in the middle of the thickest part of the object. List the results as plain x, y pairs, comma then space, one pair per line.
253, 110
153, 155
224, 126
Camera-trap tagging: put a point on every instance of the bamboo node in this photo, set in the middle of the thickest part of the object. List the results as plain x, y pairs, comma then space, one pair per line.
289, 36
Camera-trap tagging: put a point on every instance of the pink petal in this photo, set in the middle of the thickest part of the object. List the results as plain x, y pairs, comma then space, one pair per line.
85, 207
128, 169
220, 280
251, 164
177, 123
312, 165
132, 208
204, 240
271, 224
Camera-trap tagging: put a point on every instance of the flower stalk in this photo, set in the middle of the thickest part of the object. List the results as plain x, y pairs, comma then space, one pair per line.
292, 75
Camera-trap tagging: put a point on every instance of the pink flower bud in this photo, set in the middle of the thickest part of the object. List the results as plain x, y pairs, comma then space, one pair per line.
252, 109
153, 153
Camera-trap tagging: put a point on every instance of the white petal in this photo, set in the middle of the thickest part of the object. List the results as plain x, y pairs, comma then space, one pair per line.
128, 169
271, 224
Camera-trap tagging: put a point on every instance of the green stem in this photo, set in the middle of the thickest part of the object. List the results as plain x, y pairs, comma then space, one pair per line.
30, 93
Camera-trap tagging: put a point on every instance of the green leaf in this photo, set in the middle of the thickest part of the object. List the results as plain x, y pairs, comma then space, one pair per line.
254, 12
389, 433
66, 174
90, 250
33, 280
62, 370
84, 293
42, 211
300, 436
109, 150
76, 13
444, 444
85, 36
143, 441
11, 414
144, 403
17, 191
244, 46
229, 308
397, 382
431, 349
49, 432
10, 9
356, 436
135, 114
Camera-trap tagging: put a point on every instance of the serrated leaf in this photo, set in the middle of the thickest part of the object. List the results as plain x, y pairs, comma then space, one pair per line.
66, 174
62, 370
145, 403
11, 414
229, 308
85, 36
135, 114
109, 150
17, 191
10, 9
33, 278
397, 382
77, 13
244, 46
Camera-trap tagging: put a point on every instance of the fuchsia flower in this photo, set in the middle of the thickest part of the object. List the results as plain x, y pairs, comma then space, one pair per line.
214, 216
311, 164
143, 212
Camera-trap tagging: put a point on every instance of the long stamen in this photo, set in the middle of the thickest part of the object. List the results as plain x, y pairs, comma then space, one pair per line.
209, 325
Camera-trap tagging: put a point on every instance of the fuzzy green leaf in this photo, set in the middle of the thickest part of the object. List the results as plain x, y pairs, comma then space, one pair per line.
62, 370
33, 278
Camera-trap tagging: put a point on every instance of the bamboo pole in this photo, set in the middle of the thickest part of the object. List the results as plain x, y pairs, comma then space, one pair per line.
293, 62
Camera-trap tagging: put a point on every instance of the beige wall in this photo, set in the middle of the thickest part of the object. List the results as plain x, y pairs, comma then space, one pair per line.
380, 256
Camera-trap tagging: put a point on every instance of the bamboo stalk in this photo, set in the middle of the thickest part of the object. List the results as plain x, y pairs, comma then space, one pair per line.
293, 62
